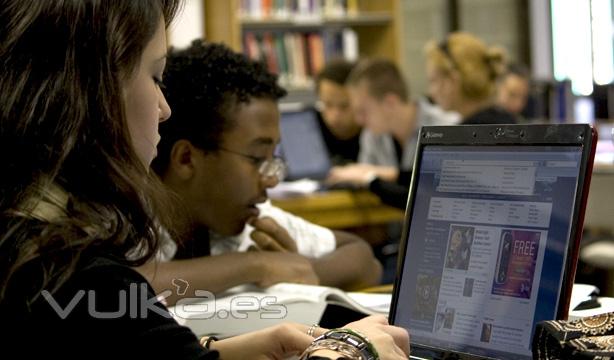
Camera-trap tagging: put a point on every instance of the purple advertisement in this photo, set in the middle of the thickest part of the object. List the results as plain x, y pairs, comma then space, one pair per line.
516, 259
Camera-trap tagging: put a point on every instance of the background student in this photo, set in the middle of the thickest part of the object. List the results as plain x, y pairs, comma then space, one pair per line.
513, 89
340, 131
217, 155
462, 73
381, 103
80, 104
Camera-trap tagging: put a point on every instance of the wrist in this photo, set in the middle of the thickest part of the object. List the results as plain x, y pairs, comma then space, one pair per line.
256, 266
369, 177
207, 341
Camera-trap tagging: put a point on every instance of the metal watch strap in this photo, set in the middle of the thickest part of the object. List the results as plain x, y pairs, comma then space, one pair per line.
350, 339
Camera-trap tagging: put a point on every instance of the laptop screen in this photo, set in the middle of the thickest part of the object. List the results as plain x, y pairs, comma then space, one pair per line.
302, 146
486, 248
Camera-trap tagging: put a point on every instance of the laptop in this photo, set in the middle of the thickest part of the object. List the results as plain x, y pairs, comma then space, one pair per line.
491, 235
302, 146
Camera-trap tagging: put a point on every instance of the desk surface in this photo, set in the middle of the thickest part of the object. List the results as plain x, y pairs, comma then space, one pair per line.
600, 204
607, 305
340, 209
603, 167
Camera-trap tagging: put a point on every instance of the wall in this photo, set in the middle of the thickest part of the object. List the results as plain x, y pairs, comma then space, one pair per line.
422, 20
188, 26
502, 22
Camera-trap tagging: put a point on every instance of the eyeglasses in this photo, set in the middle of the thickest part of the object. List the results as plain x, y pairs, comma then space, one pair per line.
274, 167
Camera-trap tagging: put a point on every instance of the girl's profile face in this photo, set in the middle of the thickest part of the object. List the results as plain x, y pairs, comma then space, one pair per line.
146, 106
440, 87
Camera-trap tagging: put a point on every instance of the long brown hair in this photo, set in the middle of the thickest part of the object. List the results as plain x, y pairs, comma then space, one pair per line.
62, 123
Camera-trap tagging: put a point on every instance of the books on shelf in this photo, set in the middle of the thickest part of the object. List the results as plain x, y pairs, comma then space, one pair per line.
298, 56
248, 308
298, 10
349, 44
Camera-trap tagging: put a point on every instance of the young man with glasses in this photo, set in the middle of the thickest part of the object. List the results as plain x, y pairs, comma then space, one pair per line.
217, 154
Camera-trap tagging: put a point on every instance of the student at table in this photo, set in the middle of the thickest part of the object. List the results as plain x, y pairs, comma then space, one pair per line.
80, 106
217, 155
340, 131
462, 73
513, 89
382, 104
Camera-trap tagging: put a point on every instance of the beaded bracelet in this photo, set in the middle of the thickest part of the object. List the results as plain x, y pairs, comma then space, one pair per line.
206, 341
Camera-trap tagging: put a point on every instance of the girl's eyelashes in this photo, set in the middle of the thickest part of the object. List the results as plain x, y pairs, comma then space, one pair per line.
158, 81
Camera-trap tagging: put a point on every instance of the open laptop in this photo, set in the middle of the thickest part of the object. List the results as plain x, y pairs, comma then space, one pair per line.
491, 235
302, 146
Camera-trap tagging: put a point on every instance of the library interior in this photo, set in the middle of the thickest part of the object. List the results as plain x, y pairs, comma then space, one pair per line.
295, 39
324, 53
309, 179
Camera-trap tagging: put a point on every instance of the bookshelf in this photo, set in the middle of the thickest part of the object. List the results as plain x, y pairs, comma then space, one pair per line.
375, 19
302, 35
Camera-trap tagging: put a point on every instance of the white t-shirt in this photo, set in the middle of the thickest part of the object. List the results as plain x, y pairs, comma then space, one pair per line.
311, 240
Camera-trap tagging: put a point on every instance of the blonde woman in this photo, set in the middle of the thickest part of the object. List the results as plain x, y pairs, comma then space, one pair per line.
462, 73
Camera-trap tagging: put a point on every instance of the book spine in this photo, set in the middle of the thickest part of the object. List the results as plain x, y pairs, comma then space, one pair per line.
270, 53
350, 44
282, 58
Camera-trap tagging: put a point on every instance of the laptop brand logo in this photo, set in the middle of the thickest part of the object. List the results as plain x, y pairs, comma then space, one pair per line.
433, 135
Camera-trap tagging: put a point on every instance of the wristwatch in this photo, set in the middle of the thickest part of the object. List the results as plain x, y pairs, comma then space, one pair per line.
364, 347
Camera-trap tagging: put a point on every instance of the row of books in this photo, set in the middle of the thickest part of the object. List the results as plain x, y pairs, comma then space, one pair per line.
297, 9
298, 56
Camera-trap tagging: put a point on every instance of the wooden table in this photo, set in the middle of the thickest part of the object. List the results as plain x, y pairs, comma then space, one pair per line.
340, 209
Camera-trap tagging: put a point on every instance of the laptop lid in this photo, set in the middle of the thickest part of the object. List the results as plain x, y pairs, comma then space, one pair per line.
491, 235
302, 146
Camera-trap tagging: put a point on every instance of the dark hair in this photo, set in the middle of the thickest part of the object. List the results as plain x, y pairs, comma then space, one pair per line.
204, 85
382, 77
517, 69
336, 70
62, 123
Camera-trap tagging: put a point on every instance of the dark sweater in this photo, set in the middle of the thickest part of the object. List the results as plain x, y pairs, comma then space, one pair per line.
340, 151
489, 115
141, 330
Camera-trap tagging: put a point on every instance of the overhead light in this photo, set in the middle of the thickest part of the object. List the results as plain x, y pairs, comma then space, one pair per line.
572, 45
603, 37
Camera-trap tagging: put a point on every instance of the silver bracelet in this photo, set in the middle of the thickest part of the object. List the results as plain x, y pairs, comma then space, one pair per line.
344, 349
360, 343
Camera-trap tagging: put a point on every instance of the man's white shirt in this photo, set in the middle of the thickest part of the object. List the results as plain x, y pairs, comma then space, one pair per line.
311, 240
